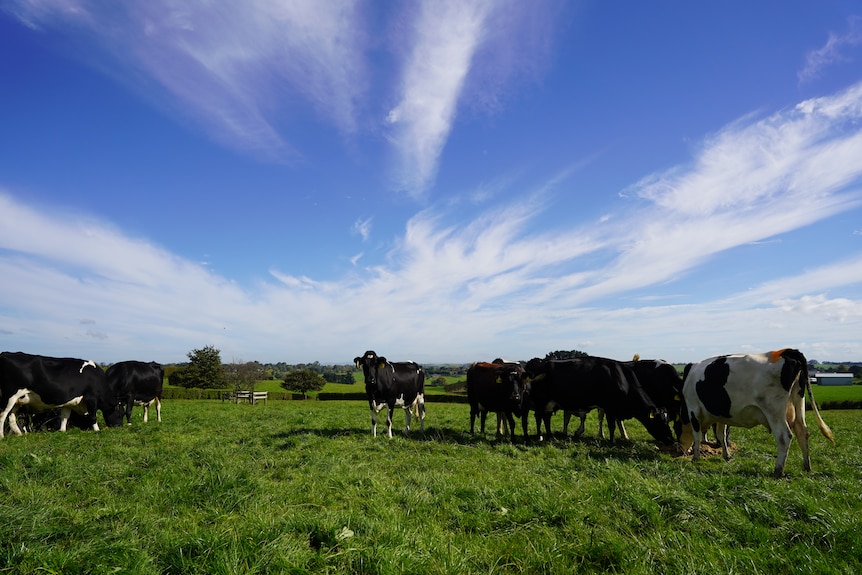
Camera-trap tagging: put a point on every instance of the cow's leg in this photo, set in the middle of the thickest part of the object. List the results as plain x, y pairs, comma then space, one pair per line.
509, 418
525, 425
782, 434
720, 430
796, 420
611, 427
583, 417
407, 416
421, 401
159, 409
373, 421
146, 412
10, 405
473, 413
13, 422
696, 437
622, 429
389, 410
503, 423
601, 413
65, 412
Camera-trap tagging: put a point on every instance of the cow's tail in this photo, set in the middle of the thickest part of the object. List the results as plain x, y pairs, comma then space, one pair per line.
824, 429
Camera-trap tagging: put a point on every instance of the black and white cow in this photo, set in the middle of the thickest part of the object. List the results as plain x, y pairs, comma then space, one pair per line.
751, 389
137, 383
390, 385
586, 383
495, 387
43, 383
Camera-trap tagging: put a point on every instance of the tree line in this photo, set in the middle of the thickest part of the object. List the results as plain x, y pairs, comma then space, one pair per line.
205, 370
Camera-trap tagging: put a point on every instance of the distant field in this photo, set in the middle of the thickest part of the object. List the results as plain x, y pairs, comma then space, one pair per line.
836, 393
821, 392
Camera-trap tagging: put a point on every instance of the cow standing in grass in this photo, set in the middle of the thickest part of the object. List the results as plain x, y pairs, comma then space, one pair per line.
43, 383
390, 385
137, 383
495, 387
751, 389
586, 383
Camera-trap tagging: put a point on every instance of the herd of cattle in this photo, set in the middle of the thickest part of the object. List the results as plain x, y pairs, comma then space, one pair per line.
742, 390
731, 390
48, 391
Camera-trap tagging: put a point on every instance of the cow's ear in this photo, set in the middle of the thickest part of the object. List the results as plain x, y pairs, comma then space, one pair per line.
652, 414
381, 362
356, 361
499, 379
677, 397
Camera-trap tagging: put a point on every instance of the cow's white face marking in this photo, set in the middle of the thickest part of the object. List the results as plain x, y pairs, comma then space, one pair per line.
91, 363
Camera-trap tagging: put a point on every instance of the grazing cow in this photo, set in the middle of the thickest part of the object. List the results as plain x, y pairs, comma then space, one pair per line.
43, 383
137, 383
751, 389
661, 382
586, 383
495, 387
392, 385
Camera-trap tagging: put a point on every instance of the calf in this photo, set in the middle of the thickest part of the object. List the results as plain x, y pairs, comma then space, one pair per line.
137, 383
495, 387
746, 390
43, 383
588, 382
392, 385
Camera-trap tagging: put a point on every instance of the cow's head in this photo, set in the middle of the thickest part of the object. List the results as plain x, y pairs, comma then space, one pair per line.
515, 380
369, 362
112, 410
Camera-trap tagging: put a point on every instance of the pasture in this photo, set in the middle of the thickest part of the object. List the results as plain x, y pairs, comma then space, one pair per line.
301, 487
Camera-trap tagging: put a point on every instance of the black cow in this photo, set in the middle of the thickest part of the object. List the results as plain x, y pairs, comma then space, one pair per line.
495, 387
586, 383
137, 383
392, 385
43, 383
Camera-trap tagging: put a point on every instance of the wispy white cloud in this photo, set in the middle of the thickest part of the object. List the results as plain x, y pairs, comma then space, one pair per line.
363, 228
490, 285
243, 71
447, 36
833, 51
237, 69
453, 40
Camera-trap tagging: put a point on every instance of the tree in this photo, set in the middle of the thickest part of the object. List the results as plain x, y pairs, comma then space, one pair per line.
566, 354
303, 382
242, 376
204, 369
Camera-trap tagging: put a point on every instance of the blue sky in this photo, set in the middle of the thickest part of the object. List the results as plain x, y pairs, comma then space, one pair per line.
437, 181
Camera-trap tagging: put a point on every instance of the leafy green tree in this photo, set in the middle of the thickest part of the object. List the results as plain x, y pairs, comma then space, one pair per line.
204, 369
566, 354
242, 376
303, 381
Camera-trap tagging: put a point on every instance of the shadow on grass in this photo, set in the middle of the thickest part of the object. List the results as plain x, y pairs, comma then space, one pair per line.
621, 449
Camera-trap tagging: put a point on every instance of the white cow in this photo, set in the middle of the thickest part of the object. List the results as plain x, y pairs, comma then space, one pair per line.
746, 390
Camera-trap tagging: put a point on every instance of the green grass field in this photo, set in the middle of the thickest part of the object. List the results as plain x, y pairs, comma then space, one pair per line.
302, 487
